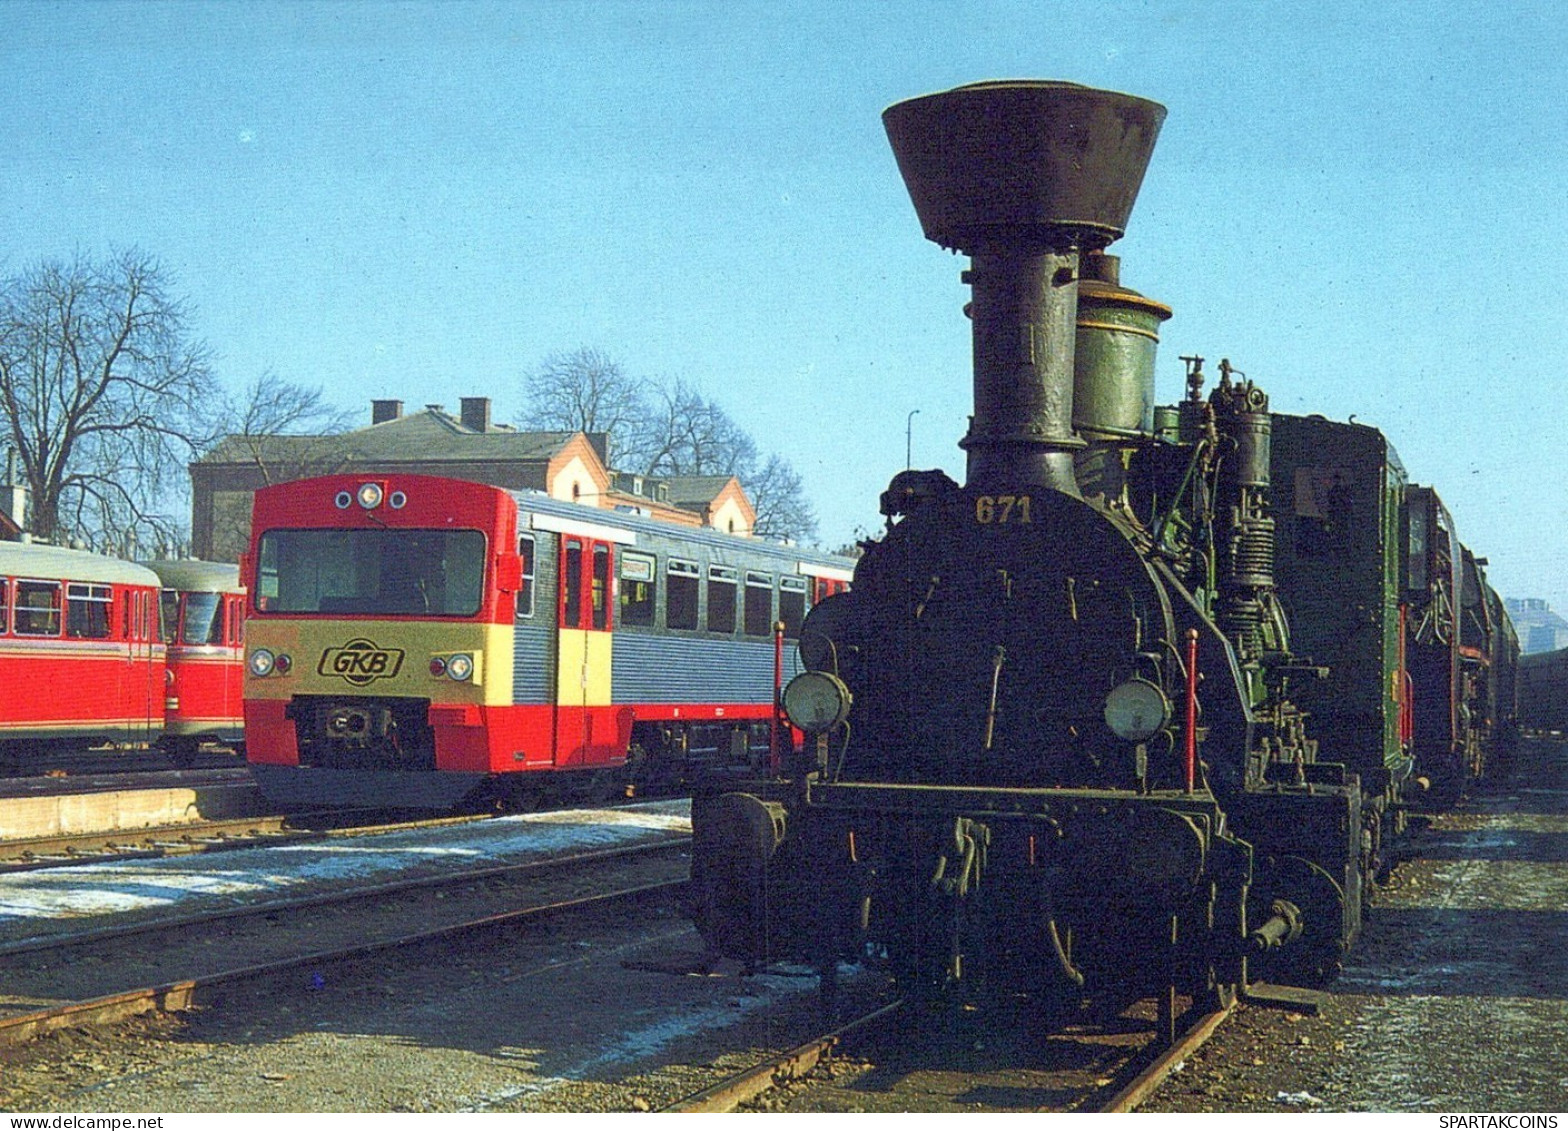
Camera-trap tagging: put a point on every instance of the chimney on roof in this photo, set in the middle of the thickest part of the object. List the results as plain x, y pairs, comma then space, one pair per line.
383, 411
475, 413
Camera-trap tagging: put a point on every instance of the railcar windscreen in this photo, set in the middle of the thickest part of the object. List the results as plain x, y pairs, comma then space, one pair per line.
203, 619
371, 572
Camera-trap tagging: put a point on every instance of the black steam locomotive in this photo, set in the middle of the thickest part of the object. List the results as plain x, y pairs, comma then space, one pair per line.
1060, 735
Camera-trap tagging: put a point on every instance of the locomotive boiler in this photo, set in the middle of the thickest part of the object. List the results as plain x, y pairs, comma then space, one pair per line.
1051, 739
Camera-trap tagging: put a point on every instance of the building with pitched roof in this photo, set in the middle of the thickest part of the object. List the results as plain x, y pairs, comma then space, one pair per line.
572, 466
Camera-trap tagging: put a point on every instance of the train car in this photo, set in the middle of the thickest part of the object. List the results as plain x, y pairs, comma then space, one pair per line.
1434, 584
1128, 712
81, 652
1543, 692
415, 642
1339, 493
203, 634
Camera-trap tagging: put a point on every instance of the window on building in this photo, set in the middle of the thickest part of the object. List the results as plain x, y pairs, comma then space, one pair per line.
722, 584
638, 589
759, 604
681, 594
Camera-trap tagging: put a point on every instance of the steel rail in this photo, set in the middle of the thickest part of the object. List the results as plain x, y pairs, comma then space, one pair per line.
746, 1085
1144, 1084
171, 997
341, 895
194, 837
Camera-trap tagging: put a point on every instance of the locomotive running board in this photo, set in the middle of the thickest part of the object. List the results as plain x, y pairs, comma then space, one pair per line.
1297, 999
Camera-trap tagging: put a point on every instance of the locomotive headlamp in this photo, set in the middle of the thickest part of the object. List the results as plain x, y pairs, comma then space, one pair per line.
460, 666
1137, 710
261, 662
370, 495
816, 701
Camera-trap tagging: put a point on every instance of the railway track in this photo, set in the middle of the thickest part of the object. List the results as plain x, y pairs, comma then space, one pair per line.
90, 978
67, 850
1114, 1085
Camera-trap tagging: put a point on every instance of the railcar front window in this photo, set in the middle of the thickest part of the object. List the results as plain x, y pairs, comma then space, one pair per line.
203, 619
371, 572
169, 609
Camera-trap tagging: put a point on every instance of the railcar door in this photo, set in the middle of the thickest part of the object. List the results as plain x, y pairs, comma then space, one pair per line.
585, 731
142, 702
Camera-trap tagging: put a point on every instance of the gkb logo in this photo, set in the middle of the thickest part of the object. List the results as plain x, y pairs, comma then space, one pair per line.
360, 662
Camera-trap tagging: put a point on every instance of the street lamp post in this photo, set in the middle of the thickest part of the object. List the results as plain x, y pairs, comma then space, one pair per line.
909, 439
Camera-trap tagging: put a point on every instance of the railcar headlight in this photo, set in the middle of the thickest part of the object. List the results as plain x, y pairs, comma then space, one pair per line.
369, 495
261, 662
460, 666
1137, 710
816, 701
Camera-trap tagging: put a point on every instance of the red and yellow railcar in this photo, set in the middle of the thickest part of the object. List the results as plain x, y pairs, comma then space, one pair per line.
81, 653
412, 640
203, 632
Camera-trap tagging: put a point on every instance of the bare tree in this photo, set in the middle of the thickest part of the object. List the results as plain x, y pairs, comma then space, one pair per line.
271, 406
779, 498
689, 434
665, 428
586, 390
103, 391
286, 432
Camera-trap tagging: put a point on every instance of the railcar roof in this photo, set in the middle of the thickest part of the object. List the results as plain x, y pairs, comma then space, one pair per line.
27, 559
193, 575
531, 502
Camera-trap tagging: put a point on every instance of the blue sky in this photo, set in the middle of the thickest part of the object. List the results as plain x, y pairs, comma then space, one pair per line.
1363, 206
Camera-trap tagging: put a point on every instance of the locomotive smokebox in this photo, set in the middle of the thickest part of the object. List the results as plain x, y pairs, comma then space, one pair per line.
1023, 177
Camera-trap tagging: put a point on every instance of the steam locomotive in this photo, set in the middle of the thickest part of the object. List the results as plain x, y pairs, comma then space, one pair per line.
1142, 704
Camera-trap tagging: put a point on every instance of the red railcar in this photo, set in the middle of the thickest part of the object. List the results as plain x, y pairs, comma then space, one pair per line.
203, 630
413, 639
81, 654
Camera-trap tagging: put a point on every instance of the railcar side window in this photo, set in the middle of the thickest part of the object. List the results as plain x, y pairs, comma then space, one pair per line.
759, 604
525, 591
87, 611
682, 595
638, 589
792, 605
38, 608
5, 606
721, 599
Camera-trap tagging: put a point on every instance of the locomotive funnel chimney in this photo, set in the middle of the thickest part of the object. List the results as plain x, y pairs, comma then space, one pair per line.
1023, 177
